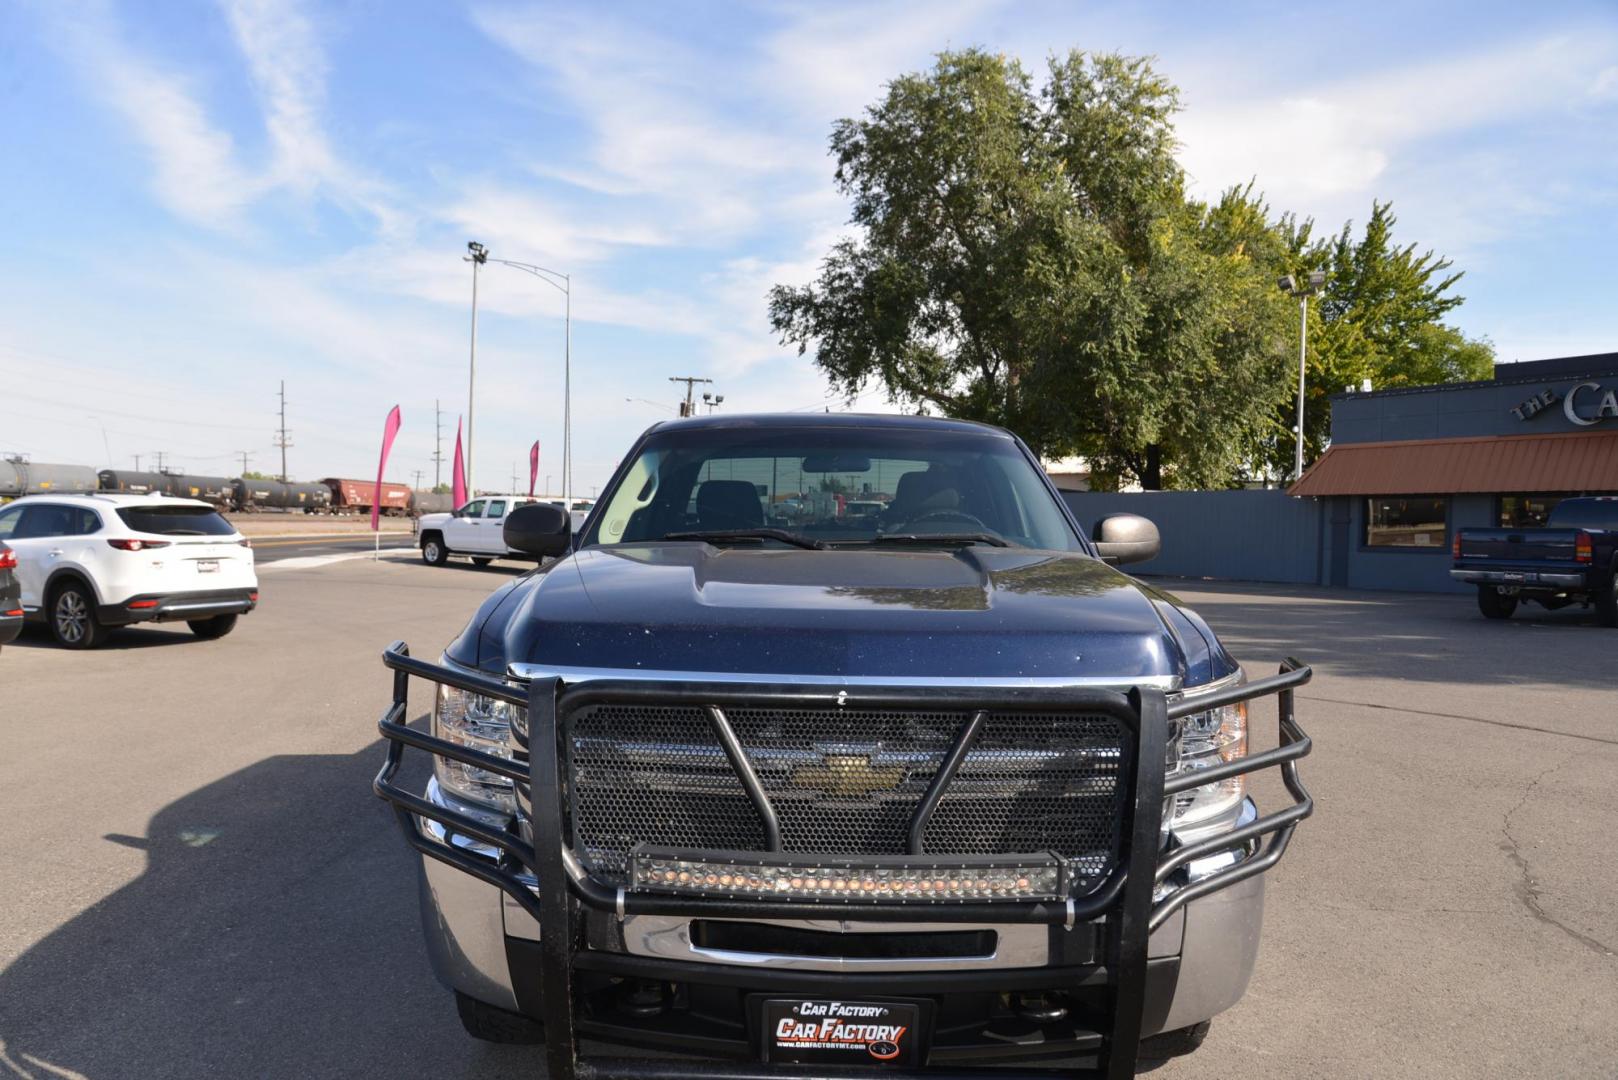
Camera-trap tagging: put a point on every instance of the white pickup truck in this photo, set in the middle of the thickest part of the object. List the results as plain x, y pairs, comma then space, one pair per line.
475, 530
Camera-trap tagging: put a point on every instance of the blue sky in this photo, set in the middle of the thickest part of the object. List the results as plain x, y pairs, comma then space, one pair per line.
201, 199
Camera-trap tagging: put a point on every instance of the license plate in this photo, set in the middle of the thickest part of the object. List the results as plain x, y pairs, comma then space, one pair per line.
1512, 576
826, 1031
207, 566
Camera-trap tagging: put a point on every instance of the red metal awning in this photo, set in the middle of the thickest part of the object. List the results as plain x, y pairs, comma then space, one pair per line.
1566, 461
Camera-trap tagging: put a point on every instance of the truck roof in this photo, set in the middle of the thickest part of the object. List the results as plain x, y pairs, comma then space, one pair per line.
824, 420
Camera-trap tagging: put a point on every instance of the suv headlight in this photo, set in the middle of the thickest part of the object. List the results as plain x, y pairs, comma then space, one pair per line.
1206, 739
482, 723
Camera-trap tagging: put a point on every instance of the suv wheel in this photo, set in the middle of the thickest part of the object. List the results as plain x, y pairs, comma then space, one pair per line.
73, 617
1495, 604
216, 627
433, 551
497, 1025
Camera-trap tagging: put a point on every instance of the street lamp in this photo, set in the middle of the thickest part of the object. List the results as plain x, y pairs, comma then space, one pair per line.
479, 255
1303, 291
563, 284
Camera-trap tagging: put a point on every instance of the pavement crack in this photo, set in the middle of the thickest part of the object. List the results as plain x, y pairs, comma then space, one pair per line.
1526, 887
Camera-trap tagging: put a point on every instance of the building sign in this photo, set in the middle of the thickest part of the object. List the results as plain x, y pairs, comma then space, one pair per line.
1604, 399
1586, 404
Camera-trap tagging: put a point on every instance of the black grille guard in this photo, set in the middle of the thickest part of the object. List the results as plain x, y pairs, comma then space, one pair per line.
1125, 898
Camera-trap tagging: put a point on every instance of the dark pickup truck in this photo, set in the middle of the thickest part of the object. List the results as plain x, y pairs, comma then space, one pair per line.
784, 790
1572, 560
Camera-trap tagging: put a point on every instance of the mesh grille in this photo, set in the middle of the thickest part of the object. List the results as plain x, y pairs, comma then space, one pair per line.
844, 781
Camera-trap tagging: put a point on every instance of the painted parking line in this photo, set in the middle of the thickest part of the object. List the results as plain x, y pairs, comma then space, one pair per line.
328, 538
310, 562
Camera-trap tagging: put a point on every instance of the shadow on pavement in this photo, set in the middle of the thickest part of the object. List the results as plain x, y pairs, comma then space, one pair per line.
1424, 637
273, 933
118, 638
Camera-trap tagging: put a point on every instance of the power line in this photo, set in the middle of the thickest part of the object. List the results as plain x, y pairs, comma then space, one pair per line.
688, 407
281, 434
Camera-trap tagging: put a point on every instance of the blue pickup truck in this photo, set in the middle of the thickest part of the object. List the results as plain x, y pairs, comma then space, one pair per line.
1572, 560
744, 776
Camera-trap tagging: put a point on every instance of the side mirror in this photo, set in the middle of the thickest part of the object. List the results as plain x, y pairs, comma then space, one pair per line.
1127, 538
538, 529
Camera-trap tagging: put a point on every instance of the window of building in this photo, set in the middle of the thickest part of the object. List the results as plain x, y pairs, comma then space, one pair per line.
1393, 521
1527, 511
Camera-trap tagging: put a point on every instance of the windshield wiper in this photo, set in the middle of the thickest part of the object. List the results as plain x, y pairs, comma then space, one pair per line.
942, 538
724, 535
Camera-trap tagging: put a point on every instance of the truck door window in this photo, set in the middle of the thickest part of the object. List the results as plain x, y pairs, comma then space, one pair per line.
497, 508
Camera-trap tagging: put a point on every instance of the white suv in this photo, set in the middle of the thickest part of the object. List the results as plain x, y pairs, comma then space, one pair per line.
90, 561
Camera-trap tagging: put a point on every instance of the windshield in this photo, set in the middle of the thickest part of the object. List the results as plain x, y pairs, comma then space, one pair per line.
175, 520
833, 485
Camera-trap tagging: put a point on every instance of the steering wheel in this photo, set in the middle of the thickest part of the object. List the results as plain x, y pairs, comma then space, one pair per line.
947, 515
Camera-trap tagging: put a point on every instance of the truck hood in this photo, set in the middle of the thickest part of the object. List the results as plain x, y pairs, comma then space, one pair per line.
974, 612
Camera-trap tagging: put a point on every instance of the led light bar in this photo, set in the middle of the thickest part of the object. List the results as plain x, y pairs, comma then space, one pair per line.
884, 879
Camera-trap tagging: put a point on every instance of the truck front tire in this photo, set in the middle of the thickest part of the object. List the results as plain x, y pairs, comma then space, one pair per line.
1606, 602
494, 1025
433, 551
1495, 604
1172, 1044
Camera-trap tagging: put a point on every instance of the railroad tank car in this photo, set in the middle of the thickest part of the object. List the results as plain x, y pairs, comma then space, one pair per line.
430, 502
214, 489
249, 496
18, 478
358, 496
131, 482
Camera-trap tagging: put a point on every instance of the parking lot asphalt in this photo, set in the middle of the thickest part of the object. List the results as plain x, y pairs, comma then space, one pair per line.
196, 881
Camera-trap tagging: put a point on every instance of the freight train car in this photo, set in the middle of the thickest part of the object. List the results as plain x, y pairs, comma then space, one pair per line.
358, 496
218, 490
138, 483
429, 502
251, 496
19, 478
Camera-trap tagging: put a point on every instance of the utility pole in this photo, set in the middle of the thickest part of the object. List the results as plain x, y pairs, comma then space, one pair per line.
244, 455
159, 454
137, 463
281, 434
688, 407
438, 442
479, 256
513, 486
418, 474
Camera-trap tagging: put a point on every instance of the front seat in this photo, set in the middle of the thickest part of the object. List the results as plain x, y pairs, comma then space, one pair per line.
728, 504
921, 492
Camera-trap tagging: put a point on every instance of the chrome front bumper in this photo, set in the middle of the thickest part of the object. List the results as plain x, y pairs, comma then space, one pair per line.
467, 921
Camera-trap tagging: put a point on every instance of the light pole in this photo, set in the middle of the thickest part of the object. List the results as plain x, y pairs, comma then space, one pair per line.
562, 283
479, 256
1303, 291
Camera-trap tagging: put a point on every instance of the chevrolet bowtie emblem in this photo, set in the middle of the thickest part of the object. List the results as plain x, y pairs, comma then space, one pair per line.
847, 776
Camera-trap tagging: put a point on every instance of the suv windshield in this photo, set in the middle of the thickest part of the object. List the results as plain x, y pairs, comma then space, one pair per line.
833, 485
175, 520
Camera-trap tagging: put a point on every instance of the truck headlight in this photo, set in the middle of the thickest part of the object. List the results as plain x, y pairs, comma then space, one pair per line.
1206, 739
482, 723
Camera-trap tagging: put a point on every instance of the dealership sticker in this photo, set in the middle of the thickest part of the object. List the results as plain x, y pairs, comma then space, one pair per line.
846, 1031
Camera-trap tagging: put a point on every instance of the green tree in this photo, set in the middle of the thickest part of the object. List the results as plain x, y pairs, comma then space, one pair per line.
1379, 316
1032, 260
255, 475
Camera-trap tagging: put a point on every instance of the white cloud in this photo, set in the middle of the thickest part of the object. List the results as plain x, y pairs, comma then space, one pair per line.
1309, 150
195, 173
